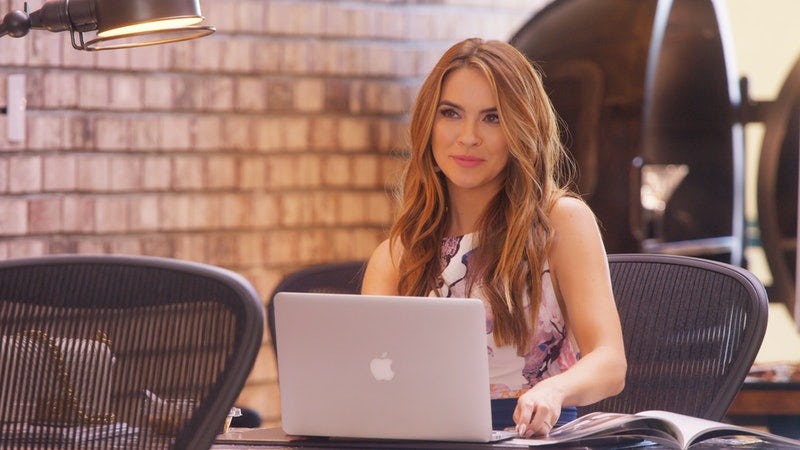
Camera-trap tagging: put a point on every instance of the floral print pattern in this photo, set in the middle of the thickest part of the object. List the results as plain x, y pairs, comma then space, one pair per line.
552, 349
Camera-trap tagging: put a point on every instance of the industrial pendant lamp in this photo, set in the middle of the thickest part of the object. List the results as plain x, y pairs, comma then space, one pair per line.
119, 23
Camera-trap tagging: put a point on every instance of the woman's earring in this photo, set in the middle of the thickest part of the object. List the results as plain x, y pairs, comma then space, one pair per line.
437, 169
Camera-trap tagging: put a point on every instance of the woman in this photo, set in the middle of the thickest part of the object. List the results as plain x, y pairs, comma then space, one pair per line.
485, 213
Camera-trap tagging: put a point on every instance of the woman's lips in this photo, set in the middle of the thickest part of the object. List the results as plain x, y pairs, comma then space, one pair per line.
467, 161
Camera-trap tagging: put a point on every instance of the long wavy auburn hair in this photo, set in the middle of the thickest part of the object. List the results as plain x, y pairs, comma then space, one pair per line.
515, 233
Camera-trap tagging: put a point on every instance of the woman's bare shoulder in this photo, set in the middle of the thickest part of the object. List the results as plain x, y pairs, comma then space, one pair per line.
568, 209
380, 276
577, 233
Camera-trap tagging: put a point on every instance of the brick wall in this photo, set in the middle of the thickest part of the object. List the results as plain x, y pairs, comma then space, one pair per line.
265, 147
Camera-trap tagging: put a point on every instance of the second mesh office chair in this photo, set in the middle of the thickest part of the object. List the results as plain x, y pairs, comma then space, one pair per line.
340, 277
692, 328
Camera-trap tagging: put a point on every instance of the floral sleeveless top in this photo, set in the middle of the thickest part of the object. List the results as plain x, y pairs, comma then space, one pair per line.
552, 349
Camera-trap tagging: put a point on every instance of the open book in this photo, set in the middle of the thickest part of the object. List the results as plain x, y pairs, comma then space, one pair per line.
661, 427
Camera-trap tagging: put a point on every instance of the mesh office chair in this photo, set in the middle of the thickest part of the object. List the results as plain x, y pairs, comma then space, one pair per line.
692, 328
339, 277
122, 351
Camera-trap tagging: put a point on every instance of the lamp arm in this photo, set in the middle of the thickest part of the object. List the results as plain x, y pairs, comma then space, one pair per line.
15, 24
65, 15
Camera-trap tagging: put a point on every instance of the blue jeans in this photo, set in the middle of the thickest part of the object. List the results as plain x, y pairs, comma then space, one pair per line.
503, 412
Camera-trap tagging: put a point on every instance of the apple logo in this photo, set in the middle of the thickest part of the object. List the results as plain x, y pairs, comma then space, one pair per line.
381, 368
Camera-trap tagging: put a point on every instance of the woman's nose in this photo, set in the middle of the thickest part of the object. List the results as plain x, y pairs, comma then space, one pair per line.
468, 135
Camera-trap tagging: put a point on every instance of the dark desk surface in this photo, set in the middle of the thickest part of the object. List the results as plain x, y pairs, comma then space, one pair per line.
274, 438
767, 398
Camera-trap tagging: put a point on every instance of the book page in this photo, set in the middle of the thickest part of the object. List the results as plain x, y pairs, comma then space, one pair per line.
604, 426
696, 429
687, 427
665, 428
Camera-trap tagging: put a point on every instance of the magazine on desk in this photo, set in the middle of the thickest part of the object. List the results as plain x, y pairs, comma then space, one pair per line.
661, 427
22, 433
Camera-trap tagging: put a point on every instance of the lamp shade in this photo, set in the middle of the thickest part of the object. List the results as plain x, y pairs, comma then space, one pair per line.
119, 23
115, 17
126, 23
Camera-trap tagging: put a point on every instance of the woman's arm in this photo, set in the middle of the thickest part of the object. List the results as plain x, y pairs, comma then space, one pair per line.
579, 265
380, 276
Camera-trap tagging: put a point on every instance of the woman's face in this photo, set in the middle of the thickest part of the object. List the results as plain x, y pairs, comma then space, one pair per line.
468, 143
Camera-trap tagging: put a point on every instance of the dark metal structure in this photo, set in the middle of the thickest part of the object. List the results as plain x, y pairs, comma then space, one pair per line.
651, 104
777, 186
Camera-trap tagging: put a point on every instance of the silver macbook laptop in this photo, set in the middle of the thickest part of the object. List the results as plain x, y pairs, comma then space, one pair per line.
384, 367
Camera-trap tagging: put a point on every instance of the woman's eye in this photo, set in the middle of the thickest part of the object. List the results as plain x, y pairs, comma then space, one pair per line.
449, 113
492, 118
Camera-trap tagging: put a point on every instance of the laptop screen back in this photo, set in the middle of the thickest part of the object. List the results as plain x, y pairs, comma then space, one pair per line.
383, 367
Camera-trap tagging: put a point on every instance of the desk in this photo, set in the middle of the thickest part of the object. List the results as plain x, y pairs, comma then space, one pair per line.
274, 438
766, 399
770, 395
775, 405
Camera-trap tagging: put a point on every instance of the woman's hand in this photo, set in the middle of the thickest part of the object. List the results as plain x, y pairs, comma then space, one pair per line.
538, 410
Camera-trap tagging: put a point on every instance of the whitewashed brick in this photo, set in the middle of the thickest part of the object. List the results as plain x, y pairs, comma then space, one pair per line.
174, 212
252, 173
44, 215
236, 133
93, 173
111, 214
187, 173
112, 132
207, 132
208, 55
145, 133
44, 49
4, 175
93, 91
237, 56
44, 131
353, 134
158, 92
116, 60
269, 134
13, 216
251, 94
309, 95
336, 171
61, 89
144, 213
126, 173
191, 248
149, 58
78, 214
221, 172
251, 16
176, 132
60, 173
217, 93
297, 133
24, 174
156, 173
126, 92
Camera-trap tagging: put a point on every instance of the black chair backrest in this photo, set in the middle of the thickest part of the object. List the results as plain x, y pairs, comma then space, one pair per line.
148, 352
692, 328
339, 277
